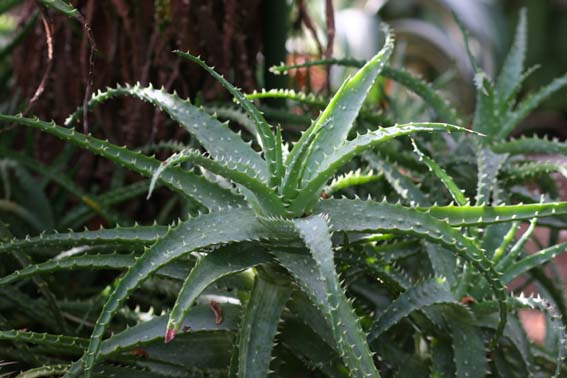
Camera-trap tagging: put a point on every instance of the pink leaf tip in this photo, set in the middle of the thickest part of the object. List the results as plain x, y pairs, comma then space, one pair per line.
169, 335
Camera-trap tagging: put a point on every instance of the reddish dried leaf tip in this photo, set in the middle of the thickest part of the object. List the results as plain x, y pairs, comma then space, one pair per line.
324, 195
215, 306
170, 335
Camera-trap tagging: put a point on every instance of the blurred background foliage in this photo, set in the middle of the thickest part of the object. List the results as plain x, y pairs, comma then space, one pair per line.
429, 43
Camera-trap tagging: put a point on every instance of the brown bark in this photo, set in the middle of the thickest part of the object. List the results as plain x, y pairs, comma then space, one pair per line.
134, 40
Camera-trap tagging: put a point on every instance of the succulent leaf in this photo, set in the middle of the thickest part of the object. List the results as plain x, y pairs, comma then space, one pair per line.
217, 138
259, 326
427, 293
189, 236
210, 268
264, 130
207, 193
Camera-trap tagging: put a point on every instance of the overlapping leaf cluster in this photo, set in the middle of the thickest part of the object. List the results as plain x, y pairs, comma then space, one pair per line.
274, 271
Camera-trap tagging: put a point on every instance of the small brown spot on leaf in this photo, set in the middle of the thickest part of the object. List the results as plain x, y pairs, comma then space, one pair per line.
467, 300
139, 352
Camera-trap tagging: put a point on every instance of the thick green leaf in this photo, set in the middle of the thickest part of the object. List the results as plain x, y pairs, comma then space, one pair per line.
468, 345
310, 191
217, 138
259, 327
402, 184
207, 193
350, 179
484, 215
201, 327
532, 171
380, 217
424, 294
530, 145
534, 260
200, 319
268, 200
443, 262
349, 337
334, 124
51, 244
554, 321
442, 175
489, 163
511, 74
525, 107
197, 233
56, 343
275, 163
518, 247
210, 268
44, 371
91, 262
442, 365
306, 344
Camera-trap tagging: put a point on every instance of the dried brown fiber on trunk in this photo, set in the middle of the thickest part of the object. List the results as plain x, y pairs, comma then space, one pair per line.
134, 40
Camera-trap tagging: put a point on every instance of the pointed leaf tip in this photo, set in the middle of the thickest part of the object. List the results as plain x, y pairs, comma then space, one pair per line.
169, 335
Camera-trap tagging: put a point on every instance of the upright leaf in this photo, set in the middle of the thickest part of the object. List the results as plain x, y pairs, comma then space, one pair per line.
259, 326
511, 73
349, 337
264, 130
334, 124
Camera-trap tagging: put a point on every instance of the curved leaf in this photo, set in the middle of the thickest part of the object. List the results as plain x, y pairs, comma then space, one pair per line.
401, 183
334, 124
483, 215
275, 163
116, 237
427, 293
349, 337
44, 371
208, 194
310, 191
91, 262
511, 74
210, 268
217, 138
203, 231
534, 260
442, 175
529, 104
268, 199
379, 217
530, 145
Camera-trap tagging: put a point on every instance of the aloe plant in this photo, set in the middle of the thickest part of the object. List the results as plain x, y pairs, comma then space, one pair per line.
338, 286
